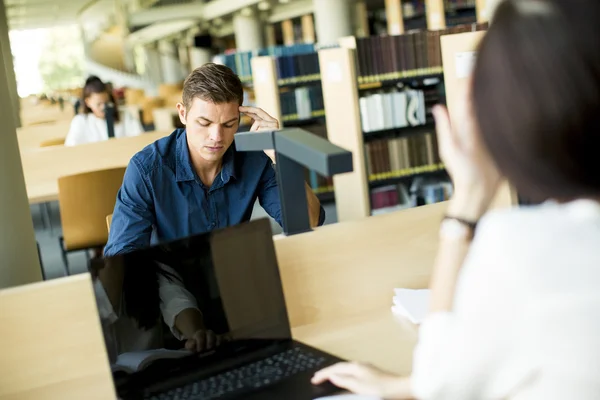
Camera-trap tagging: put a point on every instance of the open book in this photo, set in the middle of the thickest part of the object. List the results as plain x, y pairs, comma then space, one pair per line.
410, 303
138, 360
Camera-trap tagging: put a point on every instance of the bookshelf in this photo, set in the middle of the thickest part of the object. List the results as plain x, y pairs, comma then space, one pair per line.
378, 94
288, 87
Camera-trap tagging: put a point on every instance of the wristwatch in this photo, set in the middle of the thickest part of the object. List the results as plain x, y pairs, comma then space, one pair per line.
457, 228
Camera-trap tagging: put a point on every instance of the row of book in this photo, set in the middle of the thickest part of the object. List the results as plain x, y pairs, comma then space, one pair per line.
298, 68
240, 61
394, 109
398, 196
302, 103
402, 156
418, 53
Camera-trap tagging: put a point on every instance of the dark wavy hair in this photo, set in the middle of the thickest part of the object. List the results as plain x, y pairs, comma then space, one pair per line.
536, 91
93, 84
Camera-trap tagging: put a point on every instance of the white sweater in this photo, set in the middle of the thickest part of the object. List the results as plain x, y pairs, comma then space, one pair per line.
526, 317
87, 128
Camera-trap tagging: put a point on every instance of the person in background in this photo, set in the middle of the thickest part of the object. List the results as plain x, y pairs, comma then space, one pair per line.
515, 303
90, 125
194, 180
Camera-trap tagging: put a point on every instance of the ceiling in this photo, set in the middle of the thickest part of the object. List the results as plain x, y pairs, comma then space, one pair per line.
28, 14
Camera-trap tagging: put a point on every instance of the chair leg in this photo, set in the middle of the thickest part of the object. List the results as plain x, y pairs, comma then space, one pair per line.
61, 242
48, 207
42, 215
41, 262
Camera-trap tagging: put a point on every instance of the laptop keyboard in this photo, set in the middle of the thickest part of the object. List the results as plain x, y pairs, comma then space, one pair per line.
251, 376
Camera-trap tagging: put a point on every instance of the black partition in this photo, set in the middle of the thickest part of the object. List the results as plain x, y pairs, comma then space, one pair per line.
295, 150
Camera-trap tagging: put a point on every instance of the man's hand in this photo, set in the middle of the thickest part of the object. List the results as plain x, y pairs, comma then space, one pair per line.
202, 340
262, 122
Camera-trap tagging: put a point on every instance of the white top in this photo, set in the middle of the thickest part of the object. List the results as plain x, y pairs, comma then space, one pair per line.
526, 317
122, 333
87, 128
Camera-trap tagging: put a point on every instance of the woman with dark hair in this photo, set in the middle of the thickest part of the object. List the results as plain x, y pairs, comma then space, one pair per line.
90, 126
514, 306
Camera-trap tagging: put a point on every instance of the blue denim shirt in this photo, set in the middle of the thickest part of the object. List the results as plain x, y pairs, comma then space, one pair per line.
162, 198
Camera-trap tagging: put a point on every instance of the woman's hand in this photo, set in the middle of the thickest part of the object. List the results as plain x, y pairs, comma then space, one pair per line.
364, 379
467, 161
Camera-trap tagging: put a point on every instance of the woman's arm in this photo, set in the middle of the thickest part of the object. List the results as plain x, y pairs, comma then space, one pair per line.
77, 132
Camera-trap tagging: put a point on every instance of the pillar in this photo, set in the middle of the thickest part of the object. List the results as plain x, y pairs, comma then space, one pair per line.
153, 67
19, 262
287, 30
361, 19
393, 14
270, 35
333, 20
9, 69
169, 61
184, 57
248, 31
436, 14
308, 29
199, 56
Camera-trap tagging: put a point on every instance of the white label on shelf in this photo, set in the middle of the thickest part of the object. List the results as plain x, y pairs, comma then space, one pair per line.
334, 72
395, 29
261, 75
464, 62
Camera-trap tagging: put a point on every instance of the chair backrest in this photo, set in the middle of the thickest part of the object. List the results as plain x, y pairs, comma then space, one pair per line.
108, 222
52, 344
53, 142
85, 200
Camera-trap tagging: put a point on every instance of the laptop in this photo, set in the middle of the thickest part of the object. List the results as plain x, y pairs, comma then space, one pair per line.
204, 318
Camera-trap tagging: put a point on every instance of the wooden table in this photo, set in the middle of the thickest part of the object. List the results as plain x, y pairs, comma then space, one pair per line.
43, 167
380, 338
32, 137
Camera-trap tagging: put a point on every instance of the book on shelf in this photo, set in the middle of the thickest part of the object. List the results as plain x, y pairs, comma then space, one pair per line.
302, 103
402, 156
300, 68
416, 53
395, 109
240, 61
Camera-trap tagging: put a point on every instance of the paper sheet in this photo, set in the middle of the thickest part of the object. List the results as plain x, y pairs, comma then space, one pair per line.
412, 304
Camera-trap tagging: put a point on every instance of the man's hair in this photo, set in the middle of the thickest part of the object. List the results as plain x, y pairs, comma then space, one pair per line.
536, 91
214, 83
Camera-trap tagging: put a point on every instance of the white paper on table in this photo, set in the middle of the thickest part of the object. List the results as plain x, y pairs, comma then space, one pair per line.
412, 304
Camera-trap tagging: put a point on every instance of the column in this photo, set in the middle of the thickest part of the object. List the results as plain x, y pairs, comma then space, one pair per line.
333, 20
308, 29
184, 57
19, 262
436, 14
153, 70
9, 68
248, 30
287, 30
169, 62
361, 19
199, 56
393, 13
270, 35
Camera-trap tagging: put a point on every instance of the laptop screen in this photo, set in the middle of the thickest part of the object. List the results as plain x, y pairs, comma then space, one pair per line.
191, 295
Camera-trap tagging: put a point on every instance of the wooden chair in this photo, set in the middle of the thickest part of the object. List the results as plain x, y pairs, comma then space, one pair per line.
85, 200
53, 142
108, 222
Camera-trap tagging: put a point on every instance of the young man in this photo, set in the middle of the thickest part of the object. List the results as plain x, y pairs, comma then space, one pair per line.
194, 181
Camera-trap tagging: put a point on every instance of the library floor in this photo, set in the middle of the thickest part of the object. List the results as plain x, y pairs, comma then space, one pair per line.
51, 254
